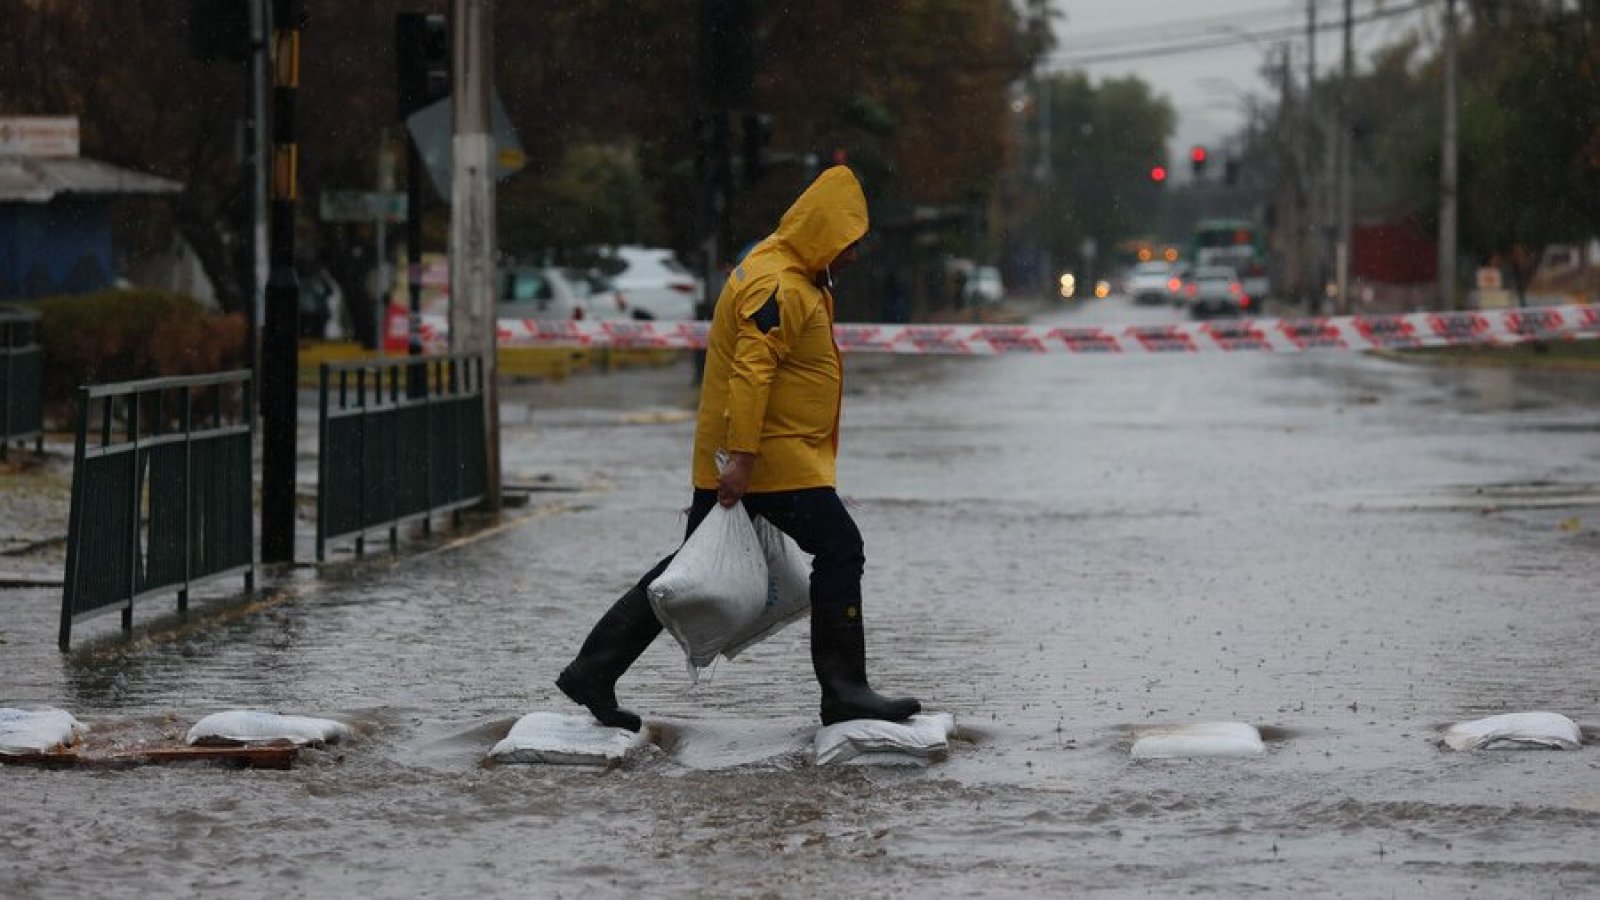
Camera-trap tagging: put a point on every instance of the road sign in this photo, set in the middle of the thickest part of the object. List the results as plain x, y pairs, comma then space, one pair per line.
362, 206
39, 136
432, 129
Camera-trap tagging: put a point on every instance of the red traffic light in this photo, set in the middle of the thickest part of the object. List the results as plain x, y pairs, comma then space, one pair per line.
1158, 174
1197, 153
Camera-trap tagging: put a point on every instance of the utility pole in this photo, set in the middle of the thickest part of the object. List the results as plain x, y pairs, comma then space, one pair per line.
1313, 170
1288, 225
280, 342
1346, 151
1042, 173
472, 269
1447, 168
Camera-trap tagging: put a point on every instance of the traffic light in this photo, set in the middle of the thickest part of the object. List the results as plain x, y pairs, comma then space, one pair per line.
1197, 159
422, 58
757, 134
219, 30
1158, 174
1230, 172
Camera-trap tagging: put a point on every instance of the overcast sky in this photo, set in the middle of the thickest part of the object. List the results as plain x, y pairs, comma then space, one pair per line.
1208, 87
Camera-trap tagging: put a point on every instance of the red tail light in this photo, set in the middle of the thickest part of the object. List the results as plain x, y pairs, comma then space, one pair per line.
1236, 288
1244, 302
1193, 289
1174, 285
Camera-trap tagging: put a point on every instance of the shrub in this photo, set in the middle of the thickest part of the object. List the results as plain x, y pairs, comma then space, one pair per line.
116, 336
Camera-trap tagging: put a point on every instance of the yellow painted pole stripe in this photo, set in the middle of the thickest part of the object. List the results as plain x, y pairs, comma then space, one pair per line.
285, 172
287, 73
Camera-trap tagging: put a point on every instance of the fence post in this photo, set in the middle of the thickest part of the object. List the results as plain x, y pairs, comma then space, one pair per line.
74, 555
186, 411
133, 507
5, 381
322, 459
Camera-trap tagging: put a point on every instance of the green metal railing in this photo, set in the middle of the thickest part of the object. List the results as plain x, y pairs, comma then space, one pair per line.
21, 374
399, 439
161, 493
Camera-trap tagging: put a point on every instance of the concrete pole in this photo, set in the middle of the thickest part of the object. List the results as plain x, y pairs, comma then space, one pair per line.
472, 223
1447, 168
1314, 154
1043, 173
1346, 151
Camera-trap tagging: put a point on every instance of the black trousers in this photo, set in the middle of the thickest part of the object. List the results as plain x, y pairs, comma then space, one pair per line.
818, 522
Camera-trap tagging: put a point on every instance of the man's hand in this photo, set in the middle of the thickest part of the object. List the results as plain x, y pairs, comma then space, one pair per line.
735, 477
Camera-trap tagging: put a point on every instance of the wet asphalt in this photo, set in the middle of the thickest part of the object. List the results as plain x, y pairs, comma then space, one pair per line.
1348, 551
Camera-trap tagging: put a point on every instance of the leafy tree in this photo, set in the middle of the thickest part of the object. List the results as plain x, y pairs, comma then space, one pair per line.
916, 91
1105, 139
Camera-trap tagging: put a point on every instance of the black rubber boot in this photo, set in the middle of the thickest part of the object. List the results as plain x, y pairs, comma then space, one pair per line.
615, 642
839, 655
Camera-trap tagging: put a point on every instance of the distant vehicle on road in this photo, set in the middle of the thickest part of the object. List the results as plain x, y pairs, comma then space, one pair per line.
656, 285
1215, 290
1238, 244
1152, 282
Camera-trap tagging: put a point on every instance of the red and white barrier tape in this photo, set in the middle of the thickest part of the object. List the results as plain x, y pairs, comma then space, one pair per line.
1389, 332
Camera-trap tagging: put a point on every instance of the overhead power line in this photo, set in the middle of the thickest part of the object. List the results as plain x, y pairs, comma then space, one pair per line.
1220, 41
1282, 13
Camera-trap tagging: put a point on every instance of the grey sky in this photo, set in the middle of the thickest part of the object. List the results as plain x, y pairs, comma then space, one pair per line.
1208, 88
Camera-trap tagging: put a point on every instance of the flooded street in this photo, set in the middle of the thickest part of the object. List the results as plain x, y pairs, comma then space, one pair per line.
1347, 551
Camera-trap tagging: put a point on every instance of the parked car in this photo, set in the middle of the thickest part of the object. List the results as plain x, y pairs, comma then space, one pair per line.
985, 286
602, 299
655, 284
1152, 282
538, 292
1215, 290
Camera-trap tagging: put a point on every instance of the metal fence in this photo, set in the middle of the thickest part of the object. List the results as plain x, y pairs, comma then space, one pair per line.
161, 492
399, 439
21, 373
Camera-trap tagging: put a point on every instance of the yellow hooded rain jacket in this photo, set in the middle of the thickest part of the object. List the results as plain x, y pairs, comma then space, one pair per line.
773, 379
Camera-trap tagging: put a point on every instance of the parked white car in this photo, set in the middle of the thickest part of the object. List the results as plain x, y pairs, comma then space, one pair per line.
985, 286
600, 296
537, 292
655, 284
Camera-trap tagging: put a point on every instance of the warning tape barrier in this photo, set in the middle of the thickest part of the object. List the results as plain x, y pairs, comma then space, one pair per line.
1384, 332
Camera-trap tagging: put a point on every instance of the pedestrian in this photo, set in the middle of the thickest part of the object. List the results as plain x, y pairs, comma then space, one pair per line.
767, 434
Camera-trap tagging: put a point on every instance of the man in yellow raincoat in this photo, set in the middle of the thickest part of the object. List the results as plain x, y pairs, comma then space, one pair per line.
768, 434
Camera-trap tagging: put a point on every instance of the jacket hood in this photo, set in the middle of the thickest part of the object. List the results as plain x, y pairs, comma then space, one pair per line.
830, 216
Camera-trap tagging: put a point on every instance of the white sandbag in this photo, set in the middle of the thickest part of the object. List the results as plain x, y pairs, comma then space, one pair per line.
916, 741
555, 738
41, 729
715, 586
1202, 740
788, 589
253, 726
1516, 731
